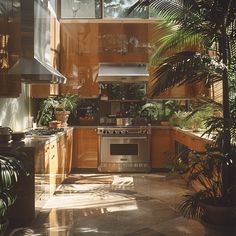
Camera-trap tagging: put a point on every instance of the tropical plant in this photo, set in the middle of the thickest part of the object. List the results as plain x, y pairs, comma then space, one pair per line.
150, 110
203, 35
49, 105
204, 169
11, 169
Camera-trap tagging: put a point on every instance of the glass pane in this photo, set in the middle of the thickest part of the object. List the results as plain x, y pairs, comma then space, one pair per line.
118, 9
124, 149
80, 8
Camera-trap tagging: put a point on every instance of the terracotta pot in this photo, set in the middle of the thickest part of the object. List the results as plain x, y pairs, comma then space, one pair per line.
218, 215
63, 117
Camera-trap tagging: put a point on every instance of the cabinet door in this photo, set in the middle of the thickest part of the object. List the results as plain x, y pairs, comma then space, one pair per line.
53, 166
61, 146
86, 148
161, 147
68, 160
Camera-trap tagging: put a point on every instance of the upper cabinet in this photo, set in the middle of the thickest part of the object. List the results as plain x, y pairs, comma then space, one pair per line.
79, 58
86, 44
10, 86
124, 42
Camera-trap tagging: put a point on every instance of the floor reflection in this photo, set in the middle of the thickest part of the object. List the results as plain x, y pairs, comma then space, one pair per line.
114, 205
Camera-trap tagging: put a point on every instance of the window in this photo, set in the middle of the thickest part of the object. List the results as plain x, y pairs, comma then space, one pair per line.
119, 8
80, 8
113, 9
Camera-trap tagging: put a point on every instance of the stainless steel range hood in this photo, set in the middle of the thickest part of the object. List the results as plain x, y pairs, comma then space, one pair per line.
123, 73
32, 70
33, 65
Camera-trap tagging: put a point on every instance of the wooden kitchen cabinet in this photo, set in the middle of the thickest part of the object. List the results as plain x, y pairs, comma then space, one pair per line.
43, 90
85, 151
69, 147
161, 147
53, 160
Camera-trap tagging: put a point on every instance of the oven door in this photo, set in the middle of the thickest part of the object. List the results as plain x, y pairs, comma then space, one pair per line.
121, 149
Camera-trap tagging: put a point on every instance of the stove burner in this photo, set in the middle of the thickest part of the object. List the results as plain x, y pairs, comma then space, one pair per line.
44, 131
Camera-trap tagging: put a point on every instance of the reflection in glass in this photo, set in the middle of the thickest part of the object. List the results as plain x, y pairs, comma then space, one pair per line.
119, 8
80, 8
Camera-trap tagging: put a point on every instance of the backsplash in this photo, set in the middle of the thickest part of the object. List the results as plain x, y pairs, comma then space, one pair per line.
14, 112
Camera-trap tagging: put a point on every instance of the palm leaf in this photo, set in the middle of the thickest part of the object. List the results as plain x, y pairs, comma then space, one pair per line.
184, 67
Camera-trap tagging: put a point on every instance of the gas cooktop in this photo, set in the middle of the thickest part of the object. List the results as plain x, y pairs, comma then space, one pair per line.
44, 131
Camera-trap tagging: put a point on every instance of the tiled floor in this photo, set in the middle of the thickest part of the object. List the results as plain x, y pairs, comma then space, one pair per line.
114, 205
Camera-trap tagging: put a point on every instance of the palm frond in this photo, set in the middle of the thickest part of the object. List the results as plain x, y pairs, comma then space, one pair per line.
190, 207
184, 67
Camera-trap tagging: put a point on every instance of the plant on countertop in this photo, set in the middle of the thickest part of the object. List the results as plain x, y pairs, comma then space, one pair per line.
11, 169
201, 43
50, 105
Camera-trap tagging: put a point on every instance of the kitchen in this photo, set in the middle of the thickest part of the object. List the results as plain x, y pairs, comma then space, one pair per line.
80, 49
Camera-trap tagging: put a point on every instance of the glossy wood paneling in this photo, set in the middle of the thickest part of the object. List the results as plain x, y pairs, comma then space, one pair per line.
85, 45
85, 151
161, 147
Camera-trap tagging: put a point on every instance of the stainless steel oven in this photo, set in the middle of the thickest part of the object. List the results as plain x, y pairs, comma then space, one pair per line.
124, 149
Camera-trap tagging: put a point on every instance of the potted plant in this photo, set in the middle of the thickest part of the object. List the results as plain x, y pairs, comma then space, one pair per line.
199, 48
11, 169
66, 104
58, 107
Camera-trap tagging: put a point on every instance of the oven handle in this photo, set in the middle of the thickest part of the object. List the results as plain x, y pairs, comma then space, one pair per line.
123, 137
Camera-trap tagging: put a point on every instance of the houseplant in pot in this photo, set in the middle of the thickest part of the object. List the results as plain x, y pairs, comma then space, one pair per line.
11, 169
57, 107
66, 104
200, 47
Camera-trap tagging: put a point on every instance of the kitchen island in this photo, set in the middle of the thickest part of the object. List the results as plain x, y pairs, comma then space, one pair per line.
48, 160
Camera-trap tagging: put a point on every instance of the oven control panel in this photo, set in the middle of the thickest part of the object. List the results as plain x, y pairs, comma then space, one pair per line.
144, 130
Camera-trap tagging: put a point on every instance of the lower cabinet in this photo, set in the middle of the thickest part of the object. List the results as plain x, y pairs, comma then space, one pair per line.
161, 147
168, 142
85, 151
53, 161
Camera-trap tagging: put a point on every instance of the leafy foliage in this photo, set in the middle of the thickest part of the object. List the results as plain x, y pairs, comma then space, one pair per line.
11, 169
65, 102
204, 169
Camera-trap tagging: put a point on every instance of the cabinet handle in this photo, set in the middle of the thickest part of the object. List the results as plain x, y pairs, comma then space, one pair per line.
52, 156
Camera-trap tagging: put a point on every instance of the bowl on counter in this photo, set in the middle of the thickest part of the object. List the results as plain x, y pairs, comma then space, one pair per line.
17, 136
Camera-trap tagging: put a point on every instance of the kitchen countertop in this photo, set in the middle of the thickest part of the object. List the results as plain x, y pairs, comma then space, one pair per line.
32, 141
186, 131
37, 141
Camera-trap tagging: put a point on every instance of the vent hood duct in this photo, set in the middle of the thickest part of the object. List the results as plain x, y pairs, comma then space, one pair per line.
123, 73
33, 65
